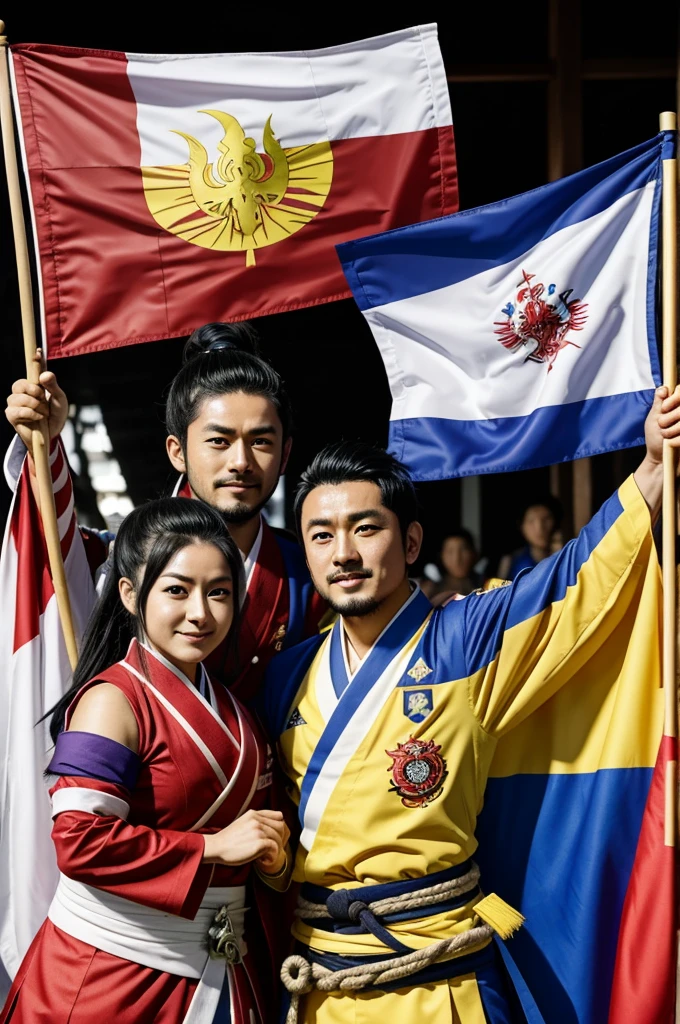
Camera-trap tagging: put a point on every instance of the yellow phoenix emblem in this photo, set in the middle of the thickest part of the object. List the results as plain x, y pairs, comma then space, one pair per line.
245, 200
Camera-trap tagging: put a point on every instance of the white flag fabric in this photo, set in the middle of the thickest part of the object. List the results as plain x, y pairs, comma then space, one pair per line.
34, 673
520, 334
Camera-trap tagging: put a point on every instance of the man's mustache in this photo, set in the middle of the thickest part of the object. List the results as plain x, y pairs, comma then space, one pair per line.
341, 574
242, 480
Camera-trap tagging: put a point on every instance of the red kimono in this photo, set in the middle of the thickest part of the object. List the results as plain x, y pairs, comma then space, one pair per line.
127, 834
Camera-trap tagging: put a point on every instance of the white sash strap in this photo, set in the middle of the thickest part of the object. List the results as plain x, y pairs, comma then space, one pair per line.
354, 729
78, 798
152, 938
189, 729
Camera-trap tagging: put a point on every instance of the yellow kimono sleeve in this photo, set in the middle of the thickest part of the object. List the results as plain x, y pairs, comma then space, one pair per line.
522, 642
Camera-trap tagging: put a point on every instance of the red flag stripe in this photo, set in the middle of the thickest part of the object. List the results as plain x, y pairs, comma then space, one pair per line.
643, 989
67, 539
34, 581
63, 496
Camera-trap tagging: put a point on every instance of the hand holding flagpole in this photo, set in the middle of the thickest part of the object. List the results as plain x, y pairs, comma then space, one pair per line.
40, 434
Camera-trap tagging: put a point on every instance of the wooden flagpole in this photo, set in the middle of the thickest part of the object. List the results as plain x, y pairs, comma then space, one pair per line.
669, 282
40, 435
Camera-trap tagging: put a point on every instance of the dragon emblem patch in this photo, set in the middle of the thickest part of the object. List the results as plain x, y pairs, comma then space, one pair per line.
418, 772
539, 319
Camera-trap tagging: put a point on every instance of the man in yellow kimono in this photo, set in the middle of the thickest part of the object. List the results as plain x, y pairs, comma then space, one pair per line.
387, 727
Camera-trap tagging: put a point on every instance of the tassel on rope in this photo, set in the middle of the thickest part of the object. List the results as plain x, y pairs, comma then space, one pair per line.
503, 918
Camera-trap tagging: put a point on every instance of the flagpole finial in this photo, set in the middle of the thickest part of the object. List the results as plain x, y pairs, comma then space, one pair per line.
668, 121
3, 37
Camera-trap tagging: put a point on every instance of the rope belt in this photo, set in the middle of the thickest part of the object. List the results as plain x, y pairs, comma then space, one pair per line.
301, 976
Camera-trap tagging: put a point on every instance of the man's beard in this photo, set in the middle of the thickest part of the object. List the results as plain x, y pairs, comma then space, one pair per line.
355, 607
240, 512
237, 513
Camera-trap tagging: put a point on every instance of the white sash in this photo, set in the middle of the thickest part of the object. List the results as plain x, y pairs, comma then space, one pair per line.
152, 938
346, 729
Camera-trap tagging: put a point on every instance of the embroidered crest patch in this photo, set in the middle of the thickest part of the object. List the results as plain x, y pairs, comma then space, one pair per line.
419, 670
418, 772
418, 704
295, 719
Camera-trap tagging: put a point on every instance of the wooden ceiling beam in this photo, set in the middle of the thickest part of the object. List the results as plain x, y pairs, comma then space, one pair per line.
594, 69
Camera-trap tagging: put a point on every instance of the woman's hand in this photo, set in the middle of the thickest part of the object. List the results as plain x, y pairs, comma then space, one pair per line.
256, 836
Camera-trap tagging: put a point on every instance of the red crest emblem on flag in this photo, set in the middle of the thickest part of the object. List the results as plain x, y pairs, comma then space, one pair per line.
539, 318
418, 772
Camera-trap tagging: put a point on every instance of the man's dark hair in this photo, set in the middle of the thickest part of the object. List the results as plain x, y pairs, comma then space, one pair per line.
464, 535
549, 501
343, 461
221, 359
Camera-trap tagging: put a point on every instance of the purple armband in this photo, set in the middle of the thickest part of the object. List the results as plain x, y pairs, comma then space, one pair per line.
94, 757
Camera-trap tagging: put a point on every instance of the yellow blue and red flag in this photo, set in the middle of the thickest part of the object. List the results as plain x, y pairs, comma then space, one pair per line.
518, 335
573, 833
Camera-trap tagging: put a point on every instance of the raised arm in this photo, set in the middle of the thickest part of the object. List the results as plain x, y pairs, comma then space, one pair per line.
524, 641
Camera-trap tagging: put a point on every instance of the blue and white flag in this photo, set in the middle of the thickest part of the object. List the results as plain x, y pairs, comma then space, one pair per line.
522, 333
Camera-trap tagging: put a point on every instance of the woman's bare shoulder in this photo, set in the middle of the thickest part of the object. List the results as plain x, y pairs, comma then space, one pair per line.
104, 709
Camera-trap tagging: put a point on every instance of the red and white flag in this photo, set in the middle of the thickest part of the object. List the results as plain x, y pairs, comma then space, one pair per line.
34, 674
168, 191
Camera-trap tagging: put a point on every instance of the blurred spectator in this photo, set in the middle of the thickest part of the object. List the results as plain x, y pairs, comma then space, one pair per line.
538, 523
457, 569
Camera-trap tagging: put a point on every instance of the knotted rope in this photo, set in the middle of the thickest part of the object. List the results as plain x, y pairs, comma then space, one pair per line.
299, 976
397, 904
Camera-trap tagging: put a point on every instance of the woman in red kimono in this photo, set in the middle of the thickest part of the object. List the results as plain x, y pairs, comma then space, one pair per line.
160, 807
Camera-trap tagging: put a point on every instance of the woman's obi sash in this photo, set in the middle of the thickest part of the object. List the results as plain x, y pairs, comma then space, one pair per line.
205, 948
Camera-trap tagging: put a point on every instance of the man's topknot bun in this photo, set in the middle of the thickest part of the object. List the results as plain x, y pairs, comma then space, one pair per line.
218, 337
222, 359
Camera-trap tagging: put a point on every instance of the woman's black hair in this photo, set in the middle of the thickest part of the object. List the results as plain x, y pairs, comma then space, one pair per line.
146, 541
355, 460
220, 359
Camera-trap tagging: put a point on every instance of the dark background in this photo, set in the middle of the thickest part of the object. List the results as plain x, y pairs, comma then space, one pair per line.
326, 354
